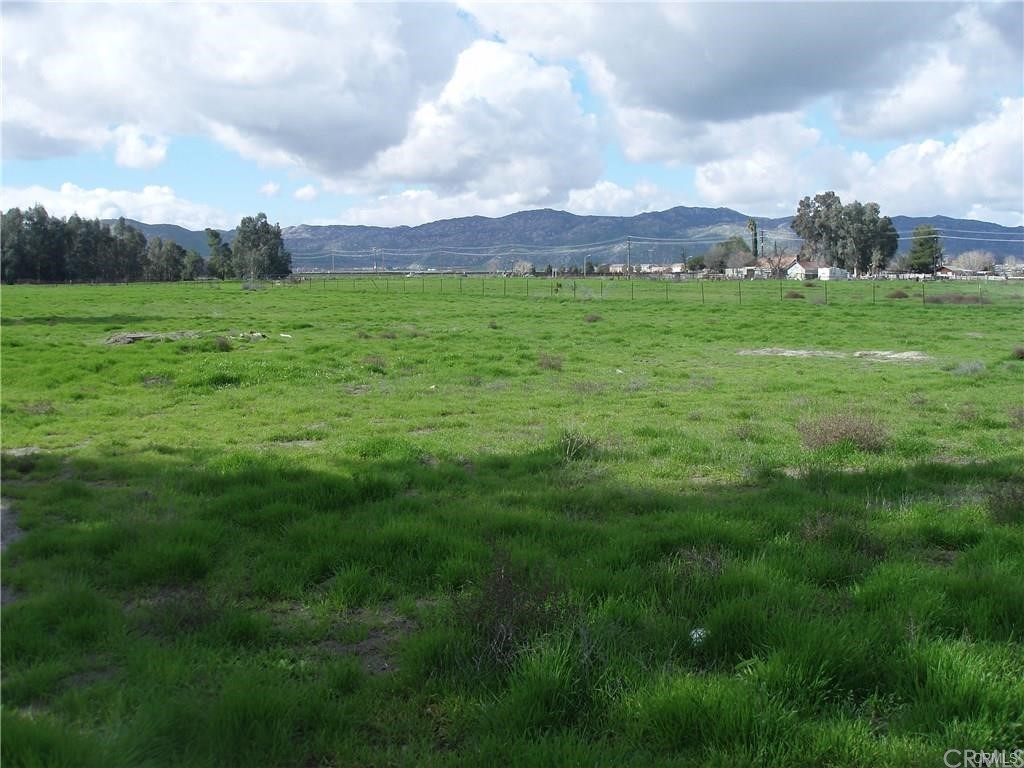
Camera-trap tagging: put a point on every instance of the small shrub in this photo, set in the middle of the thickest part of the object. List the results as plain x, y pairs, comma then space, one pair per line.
969, 368
574, 444
222, 344
362, 335
745, 432
810, 284
389, 335
550, 362
967, 414
592, 318
861, 432
39, 408
1006, 503
1017, 417
794, 295
376, 363
493, 325
957, 298
509, 612
898, 294
1017, 353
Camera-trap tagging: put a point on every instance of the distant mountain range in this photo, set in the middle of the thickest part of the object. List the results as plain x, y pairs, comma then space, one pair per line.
559, 238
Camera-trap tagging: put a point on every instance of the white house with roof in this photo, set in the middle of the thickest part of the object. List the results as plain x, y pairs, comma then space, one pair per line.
802, 270
833, 273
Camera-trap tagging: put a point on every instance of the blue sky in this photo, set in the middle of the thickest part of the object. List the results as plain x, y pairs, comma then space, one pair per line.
401, 114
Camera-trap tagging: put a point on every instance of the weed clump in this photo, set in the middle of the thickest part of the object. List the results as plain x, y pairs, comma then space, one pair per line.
969, 368
549, 362
575, 445
376, 363
493, 325
897, 294
222, 344
592, 318
957, 298
794, 295
1006, 503
1017, 353
1017, 417
810, 284
860, 432
510, 611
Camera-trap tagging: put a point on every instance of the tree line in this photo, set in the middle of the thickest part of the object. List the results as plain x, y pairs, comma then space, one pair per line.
855, 237
41, 248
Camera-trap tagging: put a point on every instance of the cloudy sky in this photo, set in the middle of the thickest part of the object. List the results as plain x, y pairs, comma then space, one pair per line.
197, 114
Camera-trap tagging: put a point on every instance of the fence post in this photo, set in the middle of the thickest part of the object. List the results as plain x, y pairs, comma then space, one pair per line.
922, 292
739, 290
632, 289
872, 291
702, 291
574, 289
826, 292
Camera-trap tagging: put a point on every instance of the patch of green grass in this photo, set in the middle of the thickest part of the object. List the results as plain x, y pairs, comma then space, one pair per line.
444, 528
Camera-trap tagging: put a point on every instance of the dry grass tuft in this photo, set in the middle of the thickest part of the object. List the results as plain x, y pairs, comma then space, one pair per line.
861, 432
549, 362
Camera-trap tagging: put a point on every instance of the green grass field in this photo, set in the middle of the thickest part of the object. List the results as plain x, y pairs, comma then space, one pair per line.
418, 526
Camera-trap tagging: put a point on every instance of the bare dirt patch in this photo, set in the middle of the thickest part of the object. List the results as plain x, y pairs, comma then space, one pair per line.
879, 355
896, 357
296, 443
130, 337
376, 651
780, 352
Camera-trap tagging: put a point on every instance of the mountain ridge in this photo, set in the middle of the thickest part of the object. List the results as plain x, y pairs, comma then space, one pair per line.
548, 236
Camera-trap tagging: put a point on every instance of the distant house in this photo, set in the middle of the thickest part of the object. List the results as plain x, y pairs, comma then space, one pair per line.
616, 269
951, 273
747, 273
833, 273
678, 268
802, 270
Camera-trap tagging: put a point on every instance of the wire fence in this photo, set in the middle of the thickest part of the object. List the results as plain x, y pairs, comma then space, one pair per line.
689, 291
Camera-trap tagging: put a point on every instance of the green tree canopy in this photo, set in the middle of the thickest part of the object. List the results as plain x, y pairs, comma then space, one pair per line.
733, 252
854, 236
926, 252
258, 249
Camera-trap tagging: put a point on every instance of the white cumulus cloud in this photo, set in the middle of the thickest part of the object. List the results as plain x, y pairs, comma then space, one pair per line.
305, 193
503, 124
270, 189
136, 149
150, 205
